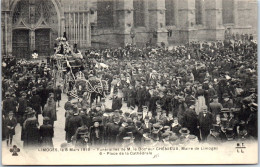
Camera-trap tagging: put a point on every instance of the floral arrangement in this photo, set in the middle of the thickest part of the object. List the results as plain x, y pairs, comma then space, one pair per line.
62, 42
35, 55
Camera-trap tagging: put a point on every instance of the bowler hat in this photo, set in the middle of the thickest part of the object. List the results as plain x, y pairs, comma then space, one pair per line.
184, 131
138, 123
225, 95
11, 113
46, 119
223, 110
129, 120
97, 119
166, 134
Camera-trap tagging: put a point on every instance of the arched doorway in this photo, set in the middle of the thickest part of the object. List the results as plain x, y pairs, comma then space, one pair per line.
35, 27
21, 43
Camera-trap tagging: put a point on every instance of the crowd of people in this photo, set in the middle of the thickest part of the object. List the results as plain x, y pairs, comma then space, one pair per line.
198, 92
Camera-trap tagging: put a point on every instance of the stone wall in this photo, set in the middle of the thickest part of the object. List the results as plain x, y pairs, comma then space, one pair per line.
87, 33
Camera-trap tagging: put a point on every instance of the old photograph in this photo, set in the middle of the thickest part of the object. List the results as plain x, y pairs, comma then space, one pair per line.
126, 82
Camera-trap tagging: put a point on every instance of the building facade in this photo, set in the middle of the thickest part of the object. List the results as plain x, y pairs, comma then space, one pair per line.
29, 25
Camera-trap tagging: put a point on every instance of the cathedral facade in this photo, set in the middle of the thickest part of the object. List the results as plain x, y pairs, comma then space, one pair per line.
29, 25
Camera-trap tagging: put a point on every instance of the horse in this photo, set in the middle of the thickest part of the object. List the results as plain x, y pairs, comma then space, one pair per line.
90, 89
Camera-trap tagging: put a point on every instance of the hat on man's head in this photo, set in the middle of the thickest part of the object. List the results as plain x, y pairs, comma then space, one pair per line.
129, 120
215, 97
97, 119
225, 110
252, 90
225, 95
184, 131
11, 113
46, 119
7, 94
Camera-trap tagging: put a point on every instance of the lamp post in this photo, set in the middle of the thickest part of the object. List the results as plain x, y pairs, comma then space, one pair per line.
132, 35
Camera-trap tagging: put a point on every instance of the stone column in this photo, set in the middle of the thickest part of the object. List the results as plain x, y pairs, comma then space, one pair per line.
7, 27
62, 21
32, 40
125, 21
32, 22
235, 14
88, 30
9, 32
187, 20
243, 13
157, 21
214, 23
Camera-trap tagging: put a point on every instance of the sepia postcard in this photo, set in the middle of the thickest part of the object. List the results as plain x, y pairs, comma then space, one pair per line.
129, 82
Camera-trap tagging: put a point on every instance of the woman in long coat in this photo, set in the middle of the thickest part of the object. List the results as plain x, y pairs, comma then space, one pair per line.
50, 110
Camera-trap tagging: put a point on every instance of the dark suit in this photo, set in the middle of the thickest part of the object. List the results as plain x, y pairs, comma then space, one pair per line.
117, 103
205, 123
73, 124
215, 108
112, 132
97, 135
46, 135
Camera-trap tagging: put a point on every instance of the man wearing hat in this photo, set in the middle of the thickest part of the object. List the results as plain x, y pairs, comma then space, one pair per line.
97, 132
227, 101
46, 133
215, 107
147, 126
175, 126
116, 103
165, 139
22, 105
138, 133
34, 102
113, 129
205, 120
10, 124
57, 95
74, 122
127, 127
30, 126
9, 104
68, 106
252, 120
214, 136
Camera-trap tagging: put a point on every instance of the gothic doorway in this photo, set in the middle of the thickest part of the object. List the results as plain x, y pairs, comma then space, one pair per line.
40, 19
21, 43
42, 42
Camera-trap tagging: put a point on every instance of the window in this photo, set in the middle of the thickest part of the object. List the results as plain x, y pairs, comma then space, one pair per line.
139, 10
105, 12
198, 12
227, 14
169, 14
